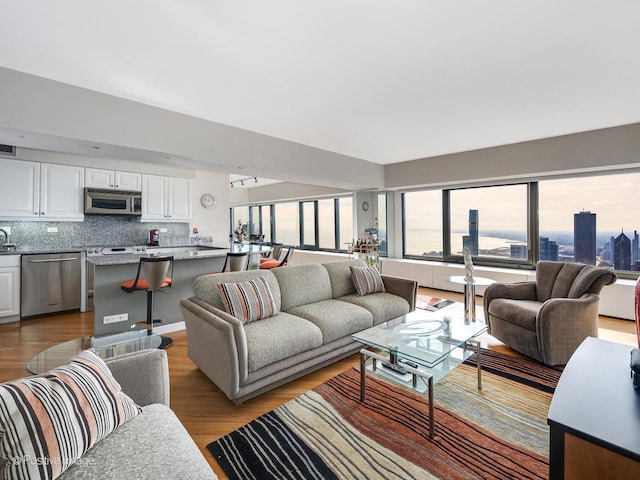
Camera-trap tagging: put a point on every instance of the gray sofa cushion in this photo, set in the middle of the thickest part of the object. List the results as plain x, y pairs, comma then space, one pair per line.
275, 338
205, 287
340, 276
383, 306
334, 318
302, 285
153, 445
519, 312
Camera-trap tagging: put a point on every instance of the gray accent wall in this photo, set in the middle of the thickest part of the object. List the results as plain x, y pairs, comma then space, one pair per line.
599, 150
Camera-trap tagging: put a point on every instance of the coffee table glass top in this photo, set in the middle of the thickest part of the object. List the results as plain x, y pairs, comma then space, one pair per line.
105, 346
423, 337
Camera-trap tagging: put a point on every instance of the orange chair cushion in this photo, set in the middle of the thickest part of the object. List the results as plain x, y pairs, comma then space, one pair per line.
142, 283
270, 264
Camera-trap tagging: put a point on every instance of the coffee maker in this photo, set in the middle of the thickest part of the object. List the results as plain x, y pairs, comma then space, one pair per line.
154, 237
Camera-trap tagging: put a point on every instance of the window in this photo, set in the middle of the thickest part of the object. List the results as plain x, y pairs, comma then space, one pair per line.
593, 220
382, 223
287, 218
308, 215
265, 222
422, 223
490, 221
327, 224
345, 222
493, 222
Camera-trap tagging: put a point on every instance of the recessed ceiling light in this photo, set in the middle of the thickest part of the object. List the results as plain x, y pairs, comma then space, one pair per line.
95, 147
21, 136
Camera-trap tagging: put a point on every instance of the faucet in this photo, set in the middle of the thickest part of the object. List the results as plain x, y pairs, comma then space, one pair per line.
6, 243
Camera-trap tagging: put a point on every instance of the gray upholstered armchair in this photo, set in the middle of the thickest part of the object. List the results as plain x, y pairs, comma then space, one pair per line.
547, 319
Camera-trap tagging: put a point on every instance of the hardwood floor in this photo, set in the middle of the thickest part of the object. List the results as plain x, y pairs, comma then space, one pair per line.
203, 409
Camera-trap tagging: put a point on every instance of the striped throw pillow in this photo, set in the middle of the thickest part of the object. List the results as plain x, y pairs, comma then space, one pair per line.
366, 280
48, 422
248, 301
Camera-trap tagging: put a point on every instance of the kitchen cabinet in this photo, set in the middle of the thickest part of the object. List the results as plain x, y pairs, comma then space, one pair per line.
112, 179
41, 191
9, 287
166, 199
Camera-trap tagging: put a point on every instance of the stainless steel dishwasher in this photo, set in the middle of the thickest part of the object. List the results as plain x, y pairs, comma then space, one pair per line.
50, 283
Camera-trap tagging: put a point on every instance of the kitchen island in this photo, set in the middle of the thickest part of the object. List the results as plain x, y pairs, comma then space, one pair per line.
112, 270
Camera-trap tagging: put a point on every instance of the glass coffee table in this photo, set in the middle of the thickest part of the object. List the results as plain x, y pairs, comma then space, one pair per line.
421, 344
107, 346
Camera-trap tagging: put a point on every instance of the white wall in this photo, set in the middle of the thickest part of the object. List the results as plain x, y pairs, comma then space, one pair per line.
69, 116
211, 222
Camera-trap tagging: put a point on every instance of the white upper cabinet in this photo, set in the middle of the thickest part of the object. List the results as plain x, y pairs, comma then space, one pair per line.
110, 179
20, 192
61, 192
166, 199
33, 190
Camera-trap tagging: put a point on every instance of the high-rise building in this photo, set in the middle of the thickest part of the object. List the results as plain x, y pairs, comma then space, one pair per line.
635, 247
518, 251
548, 249
473, 232
622, 252
584, 237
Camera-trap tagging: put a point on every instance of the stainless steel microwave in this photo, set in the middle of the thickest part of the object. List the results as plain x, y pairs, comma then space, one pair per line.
112, 202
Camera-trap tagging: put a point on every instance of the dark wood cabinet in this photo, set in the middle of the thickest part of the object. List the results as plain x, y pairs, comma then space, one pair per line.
594, 417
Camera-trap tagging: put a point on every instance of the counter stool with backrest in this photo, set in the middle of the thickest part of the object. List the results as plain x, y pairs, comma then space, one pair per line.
274, 253
235, 262
158, 272
286, 251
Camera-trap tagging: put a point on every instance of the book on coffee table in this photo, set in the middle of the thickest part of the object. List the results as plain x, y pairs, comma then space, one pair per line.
432, 303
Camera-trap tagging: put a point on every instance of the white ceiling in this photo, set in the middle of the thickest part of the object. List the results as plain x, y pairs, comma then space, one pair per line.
377, 80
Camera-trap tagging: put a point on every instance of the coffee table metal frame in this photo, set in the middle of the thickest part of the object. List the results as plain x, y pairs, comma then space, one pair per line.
397, 347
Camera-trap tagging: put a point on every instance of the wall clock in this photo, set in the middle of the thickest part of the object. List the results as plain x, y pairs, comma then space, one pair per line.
365, 206
207, 200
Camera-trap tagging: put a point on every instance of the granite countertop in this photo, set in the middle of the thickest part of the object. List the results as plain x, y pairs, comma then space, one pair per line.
40, 250
213, 252
106, 260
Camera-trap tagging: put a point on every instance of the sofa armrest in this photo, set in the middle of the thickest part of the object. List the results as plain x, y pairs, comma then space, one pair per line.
143, 375
562, 325
403, 287
217, 344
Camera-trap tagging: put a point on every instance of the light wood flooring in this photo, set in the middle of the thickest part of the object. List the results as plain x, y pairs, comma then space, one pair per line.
203, 409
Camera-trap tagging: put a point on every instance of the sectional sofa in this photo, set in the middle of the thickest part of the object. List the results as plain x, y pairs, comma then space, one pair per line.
315, 310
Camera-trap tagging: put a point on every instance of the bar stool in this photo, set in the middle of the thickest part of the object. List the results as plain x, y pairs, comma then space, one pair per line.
235, 262
286, 251
157, 275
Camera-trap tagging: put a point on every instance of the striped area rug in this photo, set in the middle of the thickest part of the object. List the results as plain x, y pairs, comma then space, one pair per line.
499, 432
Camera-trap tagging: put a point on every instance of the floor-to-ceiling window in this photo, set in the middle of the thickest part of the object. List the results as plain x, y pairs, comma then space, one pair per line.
591, 219
422, 224
322, 224
492, 222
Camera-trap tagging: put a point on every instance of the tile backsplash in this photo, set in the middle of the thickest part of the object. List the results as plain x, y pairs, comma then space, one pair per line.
95, 230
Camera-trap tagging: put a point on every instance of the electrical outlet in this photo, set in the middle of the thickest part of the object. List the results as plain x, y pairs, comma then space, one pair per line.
52, 229
163, 230
7, 229
122, 317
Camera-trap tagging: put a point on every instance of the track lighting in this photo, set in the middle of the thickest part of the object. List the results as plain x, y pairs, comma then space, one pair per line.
242, 181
